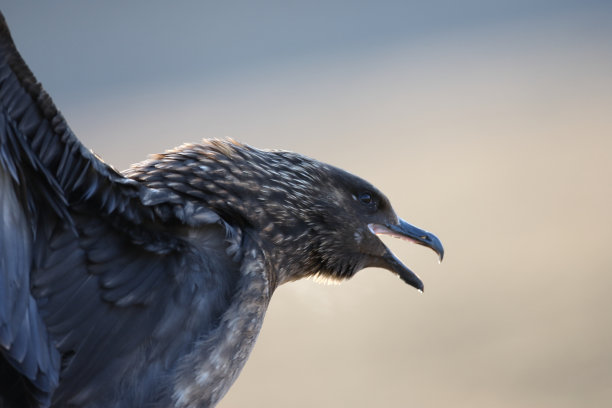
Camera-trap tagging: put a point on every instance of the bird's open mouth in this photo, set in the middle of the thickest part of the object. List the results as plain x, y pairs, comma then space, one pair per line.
408, 232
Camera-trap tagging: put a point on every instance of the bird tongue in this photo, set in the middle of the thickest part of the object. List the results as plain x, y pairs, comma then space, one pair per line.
382, 230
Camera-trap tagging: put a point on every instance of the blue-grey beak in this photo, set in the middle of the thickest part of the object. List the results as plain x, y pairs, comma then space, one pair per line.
403, 230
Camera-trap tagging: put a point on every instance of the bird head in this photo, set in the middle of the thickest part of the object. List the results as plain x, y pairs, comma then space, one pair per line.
344, 216
310, 218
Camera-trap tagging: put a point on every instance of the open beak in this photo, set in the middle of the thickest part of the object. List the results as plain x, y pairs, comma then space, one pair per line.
403, 230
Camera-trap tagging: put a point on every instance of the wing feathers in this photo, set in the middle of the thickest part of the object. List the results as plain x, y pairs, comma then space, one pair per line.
94, 260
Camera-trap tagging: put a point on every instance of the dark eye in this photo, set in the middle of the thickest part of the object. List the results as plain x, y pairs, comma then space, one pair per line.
366, 198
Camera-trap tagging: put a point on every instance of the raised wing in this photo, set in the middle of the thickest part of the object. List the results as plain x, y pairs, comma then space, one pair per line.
95, 269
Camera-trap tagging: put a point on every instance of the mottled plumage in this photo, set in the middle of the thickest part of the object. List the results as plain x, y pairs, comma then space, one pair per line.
148, 288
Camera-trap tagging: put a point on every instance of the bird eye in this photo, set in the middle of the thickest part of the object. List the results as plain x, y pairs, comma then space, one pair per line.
366, 198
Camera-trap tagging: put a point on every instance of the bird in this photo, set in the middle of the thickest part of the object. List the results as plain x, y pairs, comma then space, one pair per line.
148, 287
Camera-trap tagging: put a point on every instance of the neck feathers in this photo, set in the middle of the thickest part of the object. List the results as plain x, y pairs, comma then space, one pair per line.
205, 374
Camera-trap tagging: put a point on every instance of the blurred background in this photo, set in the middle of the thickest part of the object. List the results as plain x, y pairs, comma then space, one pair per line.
488, 123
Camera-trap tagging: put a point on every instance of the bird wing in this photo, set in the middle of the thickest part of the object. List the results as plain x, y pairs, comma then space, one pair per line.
92, 264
